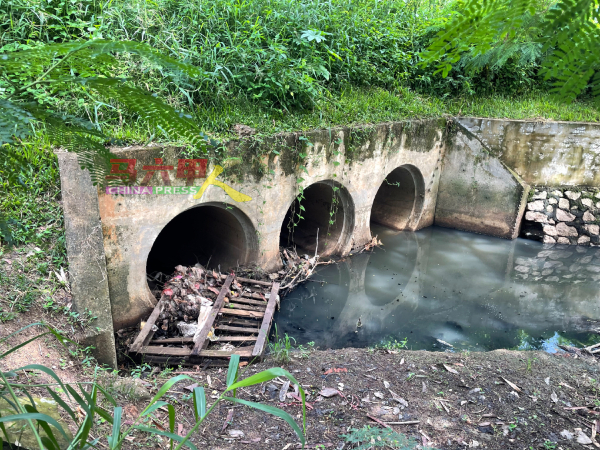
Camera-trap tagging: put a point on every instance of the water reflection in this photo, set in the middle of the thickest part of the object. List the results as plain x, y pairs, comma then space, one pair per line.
473, 292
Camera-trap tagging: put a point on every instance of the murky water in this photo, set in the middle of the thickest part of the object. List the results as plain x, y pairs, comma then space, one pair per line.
473, 292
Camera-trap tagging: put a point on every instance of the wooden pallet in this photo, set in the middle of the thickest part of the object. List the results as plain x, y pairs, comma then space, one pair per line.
244, 321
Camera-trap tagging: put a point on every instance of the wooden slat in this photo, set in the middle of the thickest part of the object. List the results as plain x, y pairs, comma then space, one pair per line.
249, 281
241, 322
237, 329
242, 351
201, 341
247, 301
169, 351
175, 340
266, 323
139, 340
235, 338
174, 351
241, 313
189, 340
245, 307
255, 295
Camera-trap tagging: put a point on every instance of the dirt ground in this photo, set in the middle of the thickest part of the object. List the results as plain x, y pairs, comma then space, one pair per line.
460, 400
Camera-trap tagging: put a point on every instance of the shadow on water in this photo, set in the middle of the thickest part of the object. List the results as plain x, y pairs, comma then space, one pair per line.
474, 292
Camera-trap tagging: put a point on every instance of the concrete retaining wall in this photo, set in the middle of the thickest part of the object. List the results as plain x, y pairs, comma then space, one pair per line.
477, 191
543, 153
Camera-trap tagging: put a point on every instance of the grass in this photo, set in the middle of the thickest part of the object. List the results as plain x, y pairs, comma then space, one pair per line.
361, 106
281, 348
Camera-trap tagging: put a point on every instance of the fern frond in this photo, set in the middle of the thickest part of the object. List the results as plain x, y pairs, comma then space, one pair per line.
150, 108
15, 122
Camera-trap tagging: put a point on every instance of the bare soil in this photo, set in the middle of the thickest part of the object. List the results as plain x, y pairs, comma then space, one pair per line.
460, 400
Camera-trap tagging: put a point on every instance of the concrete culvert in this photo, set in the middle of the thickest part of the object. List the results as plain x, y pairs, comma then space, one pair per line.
210, 234
399, 200
324, 202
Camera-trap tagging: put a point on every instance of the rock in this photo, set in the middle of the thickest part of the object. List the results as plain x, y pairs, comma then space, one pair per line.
564, 216
552, 201
547, 272
552, 264
18, 431
133, 388
587, 202
552, 279
385, 413
535, 216
594, 269
557, 193
588, 217
583, 240
563, 229
522, 269
236, 434
328, 392
573, 195
549, 240
582, 438
563, 240
586, 259
243, 130
540, 195
565, 434
474, 391
550, 230
598, 205
537, 205
549, 208
593, 230
513, 396
563, 203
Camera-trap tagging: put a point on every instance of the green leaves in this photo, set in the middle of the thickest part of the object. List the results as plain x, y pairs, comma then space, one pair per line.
487, 33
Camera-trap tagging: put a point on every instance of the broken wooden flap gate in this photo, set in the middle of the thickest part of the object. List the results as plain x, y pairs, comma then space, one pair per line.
245, 320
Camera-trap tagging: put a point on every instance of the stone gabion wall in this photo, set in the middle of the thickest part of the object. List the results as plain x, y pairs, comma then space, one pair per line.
563, 216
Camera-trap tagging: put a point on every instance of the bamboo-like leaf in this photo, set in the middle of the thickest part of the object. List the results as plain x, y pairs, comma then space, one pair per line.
232, 370
49, 441
164, 388
114, 438
199, 403
272, 410
267, 375
61, 402
47, 371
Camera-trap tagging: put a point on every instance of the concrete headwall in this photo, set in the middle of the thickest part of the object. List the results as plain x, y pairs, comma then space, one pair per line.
356, 160
389, 173
477, 191
543, 153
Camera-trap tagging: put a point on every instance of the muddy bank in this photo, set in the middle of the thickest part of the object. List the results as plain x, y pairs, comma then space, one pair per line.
449, 400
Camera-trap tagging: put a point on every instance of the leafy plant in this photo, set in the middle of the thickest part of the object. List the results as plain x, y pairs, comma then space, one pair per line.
567, 30
281, 349
392, 344
88, 398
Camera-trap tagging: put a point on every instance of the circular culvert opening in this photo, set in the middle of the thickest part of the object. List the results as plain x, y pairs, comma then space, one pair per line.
324, 208
399, 200
211, 234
